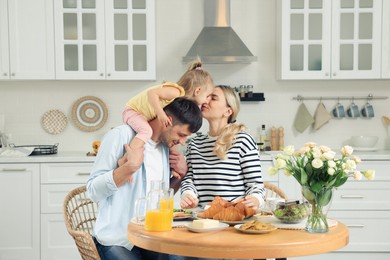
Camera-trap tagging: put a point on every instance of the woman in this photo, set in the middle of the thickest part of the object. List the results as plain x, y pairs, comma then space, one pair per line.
226, 161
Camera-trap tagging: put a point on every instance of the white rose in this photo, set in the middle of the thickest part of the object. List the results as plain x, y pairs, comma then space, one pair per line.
369, 174
280, 163
356, 159
287, 172
316, 152
331, 171
331, 164
357, 175
346, 150
317, 163
272, 171
329, 155
324, 148
289, 150
350, 165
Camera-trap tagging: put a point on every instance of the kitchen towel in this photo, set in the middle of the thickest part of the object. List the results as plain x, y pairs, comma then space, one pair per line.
17, 152
321, 116
303, 118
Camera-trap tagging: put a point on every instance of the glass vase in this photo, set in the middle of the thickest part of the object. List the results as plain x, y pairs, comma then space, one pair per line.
320, 202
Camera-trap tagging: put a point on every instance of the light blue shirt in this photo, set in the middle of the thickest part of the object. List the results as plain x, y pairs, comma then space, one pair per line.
117, 205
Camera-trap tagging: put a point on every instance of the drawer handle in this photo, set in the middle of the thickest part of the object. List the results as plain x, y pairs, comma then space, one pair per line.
14, 170
352, 197
356, 226
83, 173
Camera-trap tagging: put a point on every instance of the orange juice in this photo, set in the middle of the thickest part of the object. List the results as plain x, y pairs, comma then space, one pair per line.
158, 220
164, 204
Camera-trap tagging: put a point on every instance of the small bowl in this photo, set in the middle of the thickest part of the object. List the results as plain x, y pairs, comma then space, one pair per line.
364, 141
291, 213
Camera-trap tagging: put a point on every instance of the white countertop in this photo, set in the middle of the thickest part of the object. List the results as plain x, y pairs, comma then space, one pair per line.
55, 158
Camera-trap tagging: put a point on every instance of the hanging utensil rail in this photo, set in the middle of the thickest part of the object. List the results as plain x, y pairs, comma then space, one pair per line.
368, 97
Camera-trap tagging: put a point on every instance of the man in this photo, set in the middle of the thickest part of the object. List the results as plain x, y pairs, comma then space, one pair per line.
108, 184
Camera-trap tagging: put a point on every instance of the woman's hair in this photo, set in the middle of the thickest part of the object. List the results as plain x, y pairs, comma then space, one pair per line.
226, 138
194, 77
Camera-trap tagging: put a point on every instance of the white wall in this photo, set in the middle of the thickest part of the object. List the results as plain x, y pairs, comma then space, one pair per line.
178, 24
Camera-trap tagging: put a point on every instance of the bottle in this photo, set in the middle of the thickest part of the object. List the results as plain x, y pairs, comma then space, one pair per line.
263, 138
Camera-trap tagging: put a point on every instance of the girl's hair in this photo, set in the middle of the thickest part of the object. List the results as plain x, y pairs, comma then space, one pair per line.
226, 138
195, 77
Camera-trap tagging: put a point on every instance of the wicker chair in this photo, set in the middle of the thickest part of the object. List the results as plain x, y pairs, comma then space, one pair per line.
272, 191
79, 214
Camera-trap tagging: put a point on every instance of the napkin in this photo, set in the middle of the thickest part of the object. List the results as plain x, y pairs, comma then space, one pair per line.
321, 116
303, 118
17, 152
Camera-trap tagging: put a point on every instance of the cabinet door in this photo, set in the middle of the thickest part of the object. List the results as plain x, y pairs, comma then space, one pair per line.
386, 40
130, 40
79, 27
305, 38
4, 48
31, 39
19, 218
356, 39
56, 243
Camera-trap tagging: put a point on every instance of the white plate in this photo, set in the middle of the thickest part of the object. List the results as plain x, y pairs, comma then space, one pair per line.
365, 149
89, 113
265, 231
221, 226
54, 121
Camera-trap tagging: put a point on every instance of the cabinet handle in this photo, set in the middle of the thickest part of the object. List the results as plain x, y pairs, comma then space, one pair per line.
14, 170
13, 74
109, 74
352, 197
355, 226
101, 74
5, 74
83, 173
326, 74
334, 74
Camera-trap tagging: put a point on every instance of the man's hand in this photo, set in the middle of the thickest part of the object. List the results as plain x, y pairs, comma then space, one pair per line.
187, 201
177, 163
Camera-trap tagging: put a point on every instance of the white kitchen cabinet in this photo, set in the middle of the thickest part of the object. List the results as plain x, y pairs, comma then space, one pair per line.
26, 39
386, 40
19, 218
364, 206
329, 39
57, 179
106, 40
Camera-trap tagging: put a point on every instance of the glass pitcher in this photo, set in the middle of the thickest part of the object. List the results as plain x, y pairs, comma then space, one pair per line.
158, 206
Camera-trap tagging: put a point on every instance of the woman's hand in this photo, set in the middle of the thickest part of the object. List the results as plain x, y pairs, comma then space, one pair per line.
187, 201
251, 201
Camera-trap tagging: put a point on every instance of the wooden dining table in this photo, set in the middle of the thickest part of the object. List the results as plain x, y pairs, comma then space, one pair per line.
232, 243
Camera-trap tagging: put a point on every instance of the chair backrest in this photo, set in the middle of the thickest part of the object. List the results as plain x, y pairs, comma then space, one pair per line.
272, 191
79, 215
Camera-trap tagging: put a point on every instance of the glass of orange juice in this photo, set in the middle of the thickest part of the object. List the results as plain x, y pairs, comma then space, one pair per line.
159, 210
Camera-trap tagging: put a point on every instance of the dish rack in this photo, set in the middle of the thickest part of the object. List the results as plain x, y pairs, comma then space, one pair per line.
39, 149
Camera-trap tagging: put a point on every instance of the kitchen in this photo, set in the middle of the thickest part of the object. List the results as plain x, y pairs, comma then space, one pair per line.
178, 23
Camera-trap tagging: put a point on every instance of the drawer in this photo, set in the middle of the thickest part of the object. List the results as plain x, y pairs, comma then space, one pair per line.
382, 169
65, 172
362, 196
368, 230
53, 195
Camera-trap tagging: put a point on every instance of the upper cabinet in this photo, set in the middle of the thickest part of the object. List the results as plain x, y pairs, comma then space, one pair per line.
111, 39
26, 39
326, 39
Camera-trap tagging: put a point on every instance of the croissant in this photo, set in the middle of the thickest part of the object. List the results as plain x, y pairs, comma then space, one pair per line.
229, 214
211, 211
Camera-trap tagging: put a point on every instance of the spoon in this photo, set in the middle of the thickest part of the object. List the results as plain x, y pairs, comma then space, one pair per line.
386, 120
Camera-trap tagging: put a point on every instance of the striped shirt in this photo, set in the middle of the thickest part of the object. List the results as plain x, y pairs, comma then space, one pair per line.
234, 177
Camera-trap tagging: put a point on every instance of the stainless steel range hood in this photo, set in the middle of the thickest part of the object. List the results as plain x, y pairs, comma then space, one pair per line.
218, 42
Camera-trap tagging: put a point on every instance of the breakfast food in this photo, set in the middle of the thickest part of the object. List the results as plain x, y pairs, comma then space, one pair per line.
96, 146
221, 209
255, 225
205, 223
291, 213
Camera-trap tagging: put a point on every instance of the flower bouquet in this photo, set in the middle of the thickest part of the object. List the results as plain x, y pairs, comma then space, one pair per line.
318, 171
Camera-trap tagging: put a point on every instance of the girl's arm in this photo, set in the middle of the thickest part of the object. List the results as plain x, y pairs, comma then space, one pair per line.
154, 97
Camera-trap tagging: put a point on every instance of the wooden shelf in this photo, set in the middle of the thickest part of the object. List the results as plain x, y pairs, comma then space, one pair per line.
254, 97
